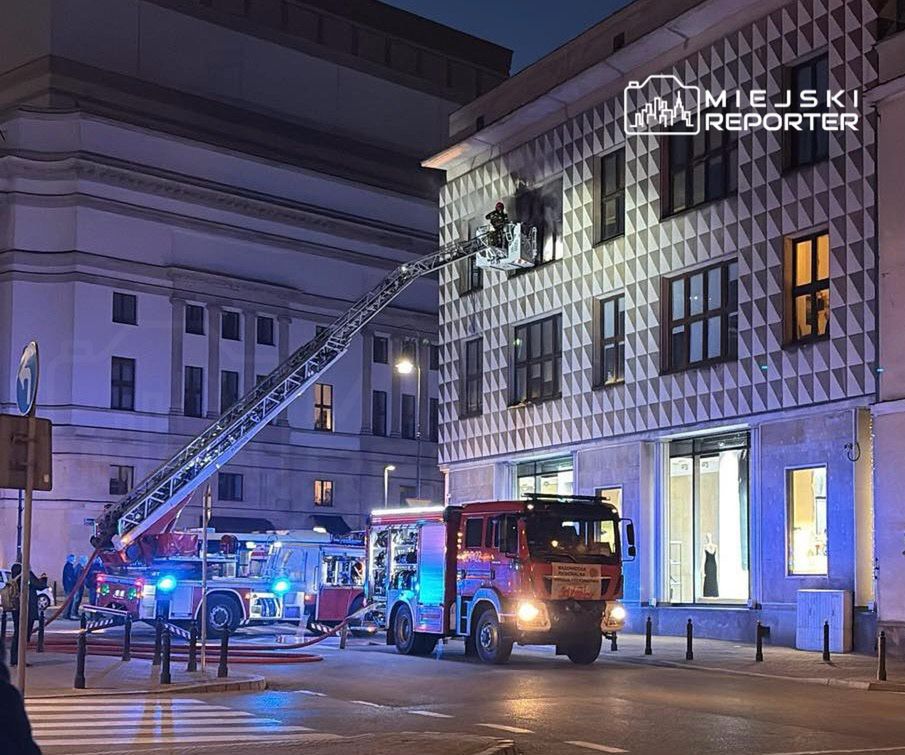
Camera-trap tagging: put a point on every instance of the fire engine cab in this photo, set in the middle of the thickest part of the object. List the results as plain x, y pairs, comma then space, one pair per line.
542, 571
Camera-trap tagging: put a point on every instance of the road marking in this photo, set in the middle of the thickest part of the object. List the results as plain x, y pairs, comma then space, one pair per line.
594, 746
206, 716
163, 725
365, 702
841, 752
311, 692
269, 738
510, 729
429, 713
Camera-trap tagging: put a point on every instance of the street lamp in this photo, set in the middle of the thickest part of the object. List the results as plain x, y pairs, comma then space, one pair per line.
405, 367
386, 483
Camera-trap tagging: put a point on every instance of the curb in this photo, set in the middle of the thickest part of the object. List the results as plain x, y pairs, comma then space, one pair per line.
245, 684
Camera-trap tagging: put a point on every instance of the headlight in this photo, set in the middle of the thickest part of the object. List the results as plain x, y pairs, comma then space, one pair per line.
532, 616
528, 612
618, 613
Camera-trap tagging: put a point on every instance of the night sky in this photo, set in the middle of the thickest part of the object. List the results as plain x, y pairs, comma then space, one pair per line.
531, 28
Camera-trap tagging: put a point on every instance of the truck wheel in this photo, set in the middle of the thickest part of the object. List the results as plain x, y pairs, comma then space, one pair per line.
408, 641
223, 615
586, 649
491, 644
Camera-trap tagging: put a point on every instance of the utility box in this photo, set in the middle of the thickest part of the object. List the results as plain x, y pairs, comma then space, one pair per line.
818, 606
14, 451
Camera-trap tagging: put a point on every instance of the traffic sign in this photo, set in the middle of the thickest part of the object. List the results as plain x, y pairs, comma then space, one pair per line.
27, 378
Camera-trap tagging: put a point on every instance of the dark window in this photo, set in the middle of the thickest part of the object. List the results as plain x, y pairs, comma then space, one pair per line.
323, 406
541, 208
379, 412
229, 486
891, 17
434, 420
474, 528
701, 317
434, 357
809, 145
408, 415
229, 326
381, 352
122, 384
471, 277
125, 309
406, 492
612, 340
612, 195
192, 403
807, 276
472, 401
265, 331
323, 492
537, 360
194, 319
702, 167
121, 479
229, 389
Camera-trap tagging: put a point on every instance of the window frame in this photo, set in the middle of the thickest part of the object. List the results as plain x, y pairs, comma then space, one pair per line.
472, 375
122, 314
324, 494
617, 340
228, 315
789, 512
231, 494
793, 290
792, 139
617, 194
728, 348
323, 408
120, 384
268, 336
516, 364
199, 371
727, 150
199, 310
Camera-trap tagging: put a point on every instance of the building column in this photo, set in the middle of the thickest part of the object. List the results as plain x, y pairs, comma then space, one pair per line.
283, 322
395, 407
367, 353
177, 369
214, 312
251, 338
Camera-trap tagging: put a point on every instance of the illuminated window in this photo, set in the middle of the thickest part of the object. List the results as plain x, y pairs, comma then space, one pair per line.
541, 208
612, 195
549, 476
323, 492
323, 407
537, 360
807, 277
806, 493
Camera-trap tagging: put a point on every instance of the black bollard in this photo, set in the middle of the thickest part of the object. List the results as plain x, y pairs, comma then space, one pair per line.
165, 677
343, 636
79, 682
127, 638
881, 658
222, 670
158, 639
689, 640
648, 634
193, 648
759, 644
826, 640
614, 643
41, 625
2, 635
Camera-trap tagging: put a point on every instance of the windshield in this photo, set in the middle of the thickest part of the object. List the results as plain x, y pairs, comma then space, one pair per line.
585, 539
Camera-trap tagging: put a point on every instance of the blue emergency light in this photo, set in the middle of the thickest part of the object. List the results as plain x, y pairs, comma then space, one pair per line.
167, 583
281, 586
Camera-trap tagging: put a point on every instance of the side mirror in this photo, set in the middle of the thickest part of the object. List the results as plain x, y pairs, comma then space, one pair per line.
630, 550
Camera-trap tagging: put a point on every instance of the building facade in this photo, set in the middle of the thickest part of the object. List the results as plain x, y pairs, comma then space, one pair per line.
698, 338
189, 189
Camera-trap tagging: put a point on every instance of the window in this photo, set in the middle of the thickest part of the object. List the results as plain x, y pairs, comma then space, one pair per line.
265, 331
434, 363
406, 494
891, 17
229, 486
541, 208
807, 282
410, 350
229, 389
474, 529
707, 520
323, 407
381, 350
323, 492
229, 326
122, 384
702, 168
471, 277
612, 341
193, 392
537, 360
194, 319
408, 415
125, 309
551, 476
702, 317
612, 195
808, 145
611, 495
379, 412
472, 402
121, 479
806, 494
433, 427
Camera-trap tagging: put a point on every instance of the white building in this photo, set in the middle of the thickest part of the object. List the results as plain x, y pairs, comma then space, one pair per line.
188, 189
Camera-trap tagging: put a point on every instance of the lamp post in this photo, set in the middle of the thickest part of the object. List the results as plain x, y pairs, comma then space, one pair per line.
405, 367
386, 484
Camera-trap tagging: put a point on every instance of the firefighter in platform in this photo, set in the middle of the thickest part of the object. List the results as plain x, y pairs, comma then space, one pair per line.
498, 221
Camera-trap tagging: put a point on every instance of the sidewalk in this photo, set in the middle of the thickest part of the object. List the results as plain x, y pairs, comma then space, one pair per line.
843, 669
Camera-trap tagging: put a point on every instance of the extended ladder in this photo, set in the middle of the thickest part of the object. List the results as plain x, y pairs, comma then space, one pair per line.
158, 498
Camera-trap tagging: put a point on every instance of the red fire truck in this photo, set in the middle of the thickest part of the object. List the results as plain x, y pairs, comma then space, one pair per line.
542, 571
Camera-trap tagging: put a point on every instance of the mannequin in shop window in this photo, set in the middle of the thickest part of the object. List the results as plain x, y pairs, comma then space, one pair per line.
711, 582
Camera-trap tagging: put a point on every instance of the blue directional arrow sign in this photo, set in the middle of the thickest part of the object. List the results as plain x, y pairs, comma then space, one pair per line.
27, 378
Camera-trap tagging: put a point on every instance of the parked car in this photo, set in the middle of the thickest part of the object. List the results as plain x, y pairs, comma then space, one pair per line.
45, 596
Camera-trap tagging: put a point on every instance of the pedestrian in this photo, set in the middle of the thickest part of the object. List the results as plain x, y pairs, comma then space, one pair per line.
97, 567
32, 613
70, 576
79, 570
15, 731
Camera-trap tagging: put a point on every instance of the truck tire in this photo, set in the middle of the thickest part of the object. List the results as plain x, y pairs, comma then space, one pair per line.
584, 651
492, 645
407, 640
223, 615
